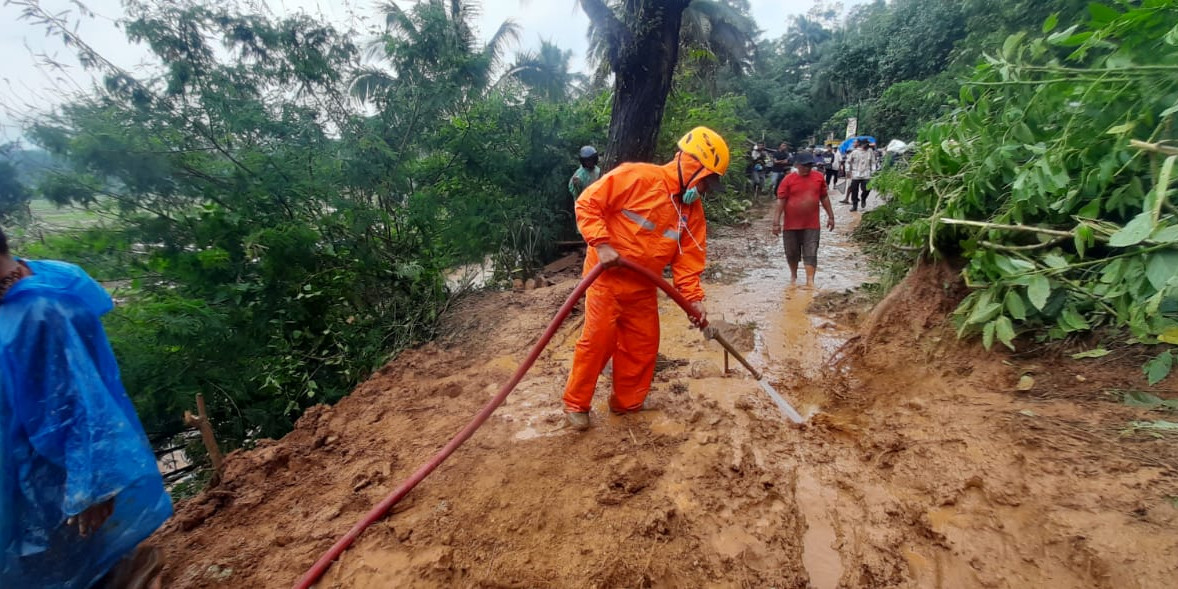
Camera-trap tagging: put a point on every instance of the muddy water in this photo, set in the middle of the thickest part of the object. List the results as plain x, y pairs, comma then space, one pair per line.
819, 555
790, 345
793, 344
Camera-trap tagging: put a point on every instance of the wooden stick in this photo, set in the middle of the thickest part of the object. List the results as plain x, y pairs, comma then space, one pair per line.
201, 422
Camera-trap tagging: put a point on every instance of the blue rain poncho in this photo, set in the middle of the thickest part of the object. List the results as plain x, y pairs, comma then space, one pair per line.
69, 436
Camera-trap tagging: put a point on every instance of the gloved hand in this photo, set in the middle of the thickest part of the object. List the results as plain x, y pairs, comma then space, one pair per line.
703, 315
606, 255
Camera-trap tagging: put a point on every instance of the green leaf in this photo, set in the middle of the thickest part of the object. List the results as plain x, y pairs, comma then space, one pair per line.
1134, 232
1171, 37
1093, 353
1055, 261
1038, 291
1004, 331
1169, 336
988, 335
1015, 306
984, 312
1161, 267
1071, 320
1165, 234
1102, 14
1090, 210
1148, 401
1012, 43
1066, 37
1084, 238
1051, 22
1122, 129
1159, 367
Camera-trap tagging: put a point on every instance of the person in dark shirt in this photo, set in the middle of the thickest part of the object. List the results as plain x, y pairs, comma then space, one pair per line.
782, 161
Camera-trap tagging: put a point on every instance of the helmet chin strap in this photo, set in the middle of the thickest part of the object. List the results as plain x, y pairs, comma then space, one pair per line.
679, 169
679, 209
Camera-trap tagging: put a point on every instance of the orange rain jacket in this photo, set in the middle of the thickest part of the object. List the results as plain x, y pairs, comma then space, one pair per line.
633, 210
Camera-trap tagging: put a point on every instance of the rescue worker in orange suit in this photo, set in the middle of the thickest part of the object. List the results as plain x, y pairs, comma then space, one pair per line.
653, 216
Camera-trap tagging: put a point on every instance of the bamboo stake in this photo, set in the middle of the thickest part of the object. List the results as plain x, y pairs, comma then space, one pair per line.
201, 422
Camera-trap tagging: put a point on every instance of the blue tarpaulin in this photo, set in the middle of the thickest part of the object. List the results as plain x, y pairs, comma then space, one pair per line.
850, 142
69, 436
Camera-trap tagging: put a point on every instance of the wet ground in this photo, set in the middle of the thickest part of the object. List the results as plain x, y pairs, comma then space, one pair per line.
919, 466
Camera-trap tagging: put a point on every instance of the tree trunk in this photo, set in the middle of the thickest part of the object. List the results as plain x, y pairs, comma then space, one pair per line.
643, 71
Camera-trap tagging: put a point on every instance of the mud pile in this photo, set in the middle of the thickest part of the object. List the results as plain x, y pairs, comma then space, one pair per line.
925, 466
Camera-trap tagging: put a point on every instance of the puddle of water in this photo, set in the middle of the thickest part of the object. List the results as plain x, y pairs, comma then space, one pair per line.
819, 555
663, 425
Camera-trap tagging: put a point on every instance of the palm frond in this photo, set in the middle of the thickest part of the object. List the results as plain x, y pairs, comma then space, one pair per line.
395, 19
506, 35
369, 83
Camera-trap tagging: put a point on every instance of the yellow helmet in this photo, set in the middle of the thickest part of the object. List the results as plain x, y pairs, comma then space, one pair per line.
708, 147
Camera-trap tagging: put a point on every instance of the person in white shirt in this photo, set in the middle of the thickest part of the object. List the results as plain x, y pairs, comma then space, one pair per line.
860, 166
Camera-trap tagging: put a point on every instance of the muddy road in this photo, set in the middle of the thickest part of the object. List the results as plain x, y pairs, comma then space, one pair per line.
922, 465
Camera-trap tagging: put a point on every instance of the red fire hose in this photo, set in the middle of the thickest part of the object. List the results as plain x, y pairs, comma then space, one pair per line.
316, 571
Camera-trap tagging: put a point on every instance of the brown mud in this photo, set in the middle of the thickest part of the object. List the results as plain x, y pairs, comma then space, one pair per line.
923, 465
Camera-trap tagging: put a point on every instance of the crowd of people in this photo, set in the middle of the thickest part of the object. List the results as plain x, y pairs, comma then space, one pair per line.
766, 168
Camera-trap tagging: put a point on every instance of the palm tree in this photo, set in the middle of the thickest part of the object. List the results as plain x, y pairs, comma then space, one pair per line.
546, 73
723, 30
434, 44
804, 37
640, 40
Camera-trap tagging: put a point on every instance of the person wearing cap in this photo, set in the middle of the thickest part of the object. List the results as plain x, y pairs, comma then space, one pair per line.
860, 166
587, 173
653, 216
796, 216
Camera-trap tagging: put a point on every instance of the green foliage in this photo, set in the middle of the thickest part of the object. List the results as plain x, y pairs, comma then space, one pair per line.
14, 195
280, 237
1053, 180
724, 114
904, 106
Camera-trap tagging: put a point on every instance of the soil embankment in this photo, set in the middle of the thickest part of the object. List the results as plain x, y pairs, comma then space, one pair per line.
922, 467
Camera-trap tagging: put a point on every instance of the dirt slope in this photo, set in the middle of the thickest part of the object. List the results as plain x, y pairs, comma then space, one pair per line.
924, 468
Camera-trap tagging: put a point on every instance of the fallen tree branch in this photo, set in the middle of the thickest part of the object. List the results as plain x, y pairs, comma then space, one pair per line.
1154, 147
1003, 227
1021, 248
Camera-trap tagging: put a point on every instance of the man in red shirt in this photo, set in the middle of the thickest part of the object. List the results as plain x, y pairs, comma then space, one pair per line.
796, 212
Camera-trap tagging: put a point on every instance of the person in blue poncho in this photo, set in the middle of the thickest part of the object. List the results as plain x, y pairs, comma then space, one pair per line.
79, 485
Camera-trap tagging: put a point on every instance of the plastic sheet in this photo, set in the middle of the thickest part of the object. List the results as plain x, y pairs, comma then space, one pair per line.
69, 436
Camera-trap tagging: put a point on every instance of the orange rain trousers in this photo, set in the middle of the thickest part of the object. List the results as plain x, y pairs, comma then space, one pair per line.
632, 209
626, 327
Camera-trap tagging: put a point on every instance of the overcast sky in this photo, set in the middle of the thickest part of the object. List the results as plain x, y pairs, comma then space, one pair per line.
26, 87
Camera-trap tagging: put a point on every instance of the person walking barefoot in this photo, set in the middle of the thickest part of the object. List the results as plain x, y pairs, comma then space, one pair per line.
796, 216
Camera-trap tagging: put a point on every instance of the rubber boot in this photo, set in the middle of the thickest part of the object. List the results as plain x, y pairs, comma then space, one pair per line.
578, 421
